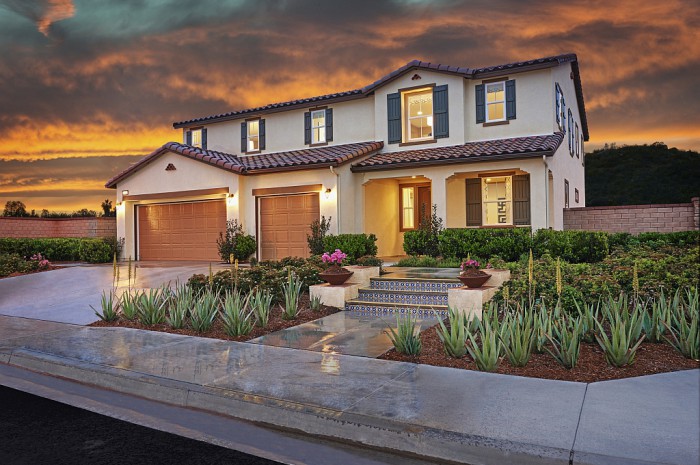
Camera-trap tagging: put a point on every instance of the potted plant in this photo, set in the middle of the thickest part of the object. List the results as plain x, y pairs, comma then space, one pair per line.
335, 274
472, 276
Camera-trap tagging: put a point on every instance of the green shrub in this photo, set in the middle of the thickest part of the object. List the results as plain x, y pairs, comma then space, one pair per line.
509, 244
235, 242
425, 239
92, 250
319, 229
369, 260
429, 262
572, 246
15, 263
354, 245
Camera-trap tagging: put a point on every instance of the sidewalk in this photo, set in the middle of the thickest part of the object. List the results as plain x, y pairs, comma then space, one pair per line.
437, 413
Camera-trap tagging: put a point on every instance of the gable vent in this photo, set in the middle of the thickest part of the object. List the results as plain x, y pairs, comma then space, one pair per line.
170, 167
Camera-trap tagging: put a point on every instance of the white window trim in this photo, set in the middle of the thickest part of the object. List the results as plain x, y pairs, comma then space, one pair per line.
314, 128
407, 119
485, 202
198, 133
249, 136
487, 103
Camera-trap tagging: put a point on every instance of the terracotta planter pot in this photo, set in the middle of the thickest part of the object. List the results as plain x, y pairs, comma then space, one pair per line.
335, 279
475, 280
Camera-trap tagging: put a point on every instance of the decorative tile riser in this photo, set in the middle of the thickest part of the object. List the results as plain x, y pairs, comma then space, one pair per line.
378, 295
379, 310
417, 286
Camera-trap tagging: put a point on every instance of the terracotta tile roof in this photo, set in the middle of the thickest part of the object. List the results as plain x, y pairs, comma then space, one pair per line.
472, 151
467, 73
331, 155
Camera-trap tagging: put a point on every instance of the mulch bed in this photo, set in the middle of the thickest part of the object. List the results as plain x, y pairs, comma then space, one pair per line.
17, 273
591, 367
276, 323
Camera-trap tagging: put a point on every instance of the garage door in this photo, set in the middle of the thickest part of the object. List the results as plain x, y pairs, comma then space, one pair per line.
181, 231
284, 225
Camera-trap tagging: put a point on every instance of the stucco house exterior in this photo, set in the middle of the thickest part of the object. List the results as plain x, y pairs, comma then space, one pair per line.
491, 147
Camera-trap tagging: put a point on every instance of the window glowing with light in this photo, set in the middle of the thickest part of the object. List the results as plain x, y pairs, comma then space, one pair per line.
408, 207
253, 135
418, 107
318, 126
197, 138
495, 101
497, 196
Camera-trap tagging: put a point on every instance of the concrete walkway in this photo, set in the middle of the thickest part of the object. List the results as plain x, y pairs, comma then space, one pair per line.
440, 414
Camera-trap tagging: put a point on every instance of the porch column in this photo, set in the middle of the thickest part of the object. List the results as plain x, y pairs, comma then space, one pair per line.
439, 197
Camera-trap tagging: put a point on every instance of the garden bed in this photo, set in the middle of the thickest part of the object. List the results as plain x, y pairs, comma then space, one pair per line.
276, 323
651, 358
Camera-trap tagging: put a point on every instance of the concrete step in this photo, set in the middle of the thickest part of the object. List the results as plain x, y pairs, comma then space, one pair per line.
414, 284
368, 308
403, 297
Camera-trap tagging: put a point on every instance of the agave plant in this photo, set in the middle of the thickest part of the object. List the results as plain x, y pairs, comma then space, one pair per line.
565, 341
108, 310
406, 337
683, 330
291, 290
315, 303
488, 356
261, 302
621, 347
182, 302
204, 310
237, 315
151, 307
129, 303
519, 338
589, 314
454, 340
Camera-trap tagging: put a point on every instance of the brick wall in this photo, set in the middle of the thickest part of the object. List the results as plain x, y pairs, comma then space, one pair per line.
58, 227
635, 219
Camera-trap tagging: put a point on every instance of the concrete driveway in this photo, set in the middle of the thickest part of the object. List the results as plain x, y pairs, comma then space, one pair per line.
65, 295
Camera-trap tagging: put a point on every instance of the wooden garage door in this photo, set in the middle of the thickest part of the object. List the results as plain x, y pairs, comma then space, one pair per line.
284, 225
181, 231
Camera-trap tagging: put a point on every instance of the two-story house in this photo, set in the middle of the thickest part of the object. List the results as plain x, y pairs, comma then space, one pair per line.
491, 147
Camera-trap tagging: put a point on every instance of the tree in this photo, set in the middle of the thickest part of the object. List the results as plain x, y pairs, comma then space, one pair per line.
107, 209
15, 208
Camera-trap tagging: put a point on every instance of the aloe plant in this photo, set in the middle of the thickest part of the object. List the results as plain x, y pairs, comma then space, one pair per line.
129, 303
518, 339
683, 330
261, 302
589, 314
655, 321
108, 310
565, 341
406, 337
315, 303
291, 290
182, 302
204, 310
237, 315
621, 347
488, 356
151, 307
454, 340
542, 326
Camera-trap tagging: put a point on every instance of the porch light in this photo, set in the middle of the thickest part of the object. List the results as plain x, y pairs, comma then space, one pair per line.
230, 199
125, 192
328, 193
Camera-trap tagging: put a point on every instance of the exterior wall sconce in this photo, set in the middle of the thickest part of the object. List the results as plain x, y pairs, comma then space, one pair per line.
125, 192
230, 199
327, 193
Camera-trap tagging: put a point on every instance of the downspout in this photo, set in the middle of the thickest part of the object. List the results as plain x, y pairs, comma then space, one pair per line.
546, 191
337, 195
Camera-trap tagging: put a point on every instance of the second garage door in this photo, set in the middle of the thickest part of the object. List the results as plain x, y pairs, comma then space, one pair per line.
181, 231
284, 224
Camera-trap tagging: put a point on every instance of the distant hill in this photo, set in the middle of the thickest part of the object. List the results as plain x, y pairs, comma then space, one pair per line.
641, 174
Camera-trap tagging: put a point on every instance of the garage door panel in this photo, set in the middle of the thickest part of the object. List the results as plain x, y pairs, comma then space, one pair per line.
181, 231
284, 224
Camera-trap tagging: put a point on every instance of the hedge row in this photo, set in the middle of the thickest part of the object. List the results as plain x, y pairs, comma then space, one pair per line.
354, 245
68, 249
512, 243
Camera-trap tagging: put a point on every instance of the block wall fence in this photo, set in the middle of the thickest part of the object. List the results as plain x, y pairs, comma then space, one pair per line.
58, 227
635, 219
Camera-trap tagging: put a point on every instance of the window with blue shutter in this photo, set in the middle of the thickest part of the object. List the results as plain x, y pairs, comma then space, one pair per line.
329, 124
510, 99
563, 114
440, 112
307, 128
261, 129
244, 137
204, 138
188, 138
393, 111
480, 99
557, 104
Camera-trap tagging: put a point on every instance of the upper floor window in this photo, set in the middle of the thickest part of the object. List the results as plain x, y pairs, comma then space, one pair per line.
566, 193
557, 104
583, 154
495, 101
253, 136
196, 137
418, 108
578, 148
571, 133
318, 126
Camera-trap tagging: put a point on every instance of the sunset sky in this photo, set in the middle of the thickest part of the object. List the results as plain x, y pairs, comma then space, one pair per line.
89, 86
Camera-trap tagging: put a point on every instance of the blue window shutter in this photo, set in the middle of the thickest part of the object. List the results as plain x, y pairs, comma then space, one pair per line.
329, 124
557, 103
244, 137
480, 104
188, 138
521, 199
510, 99
393, 111
204, 138
563, 114
441, 118
307, 127
473, 202
571, 134
261, 124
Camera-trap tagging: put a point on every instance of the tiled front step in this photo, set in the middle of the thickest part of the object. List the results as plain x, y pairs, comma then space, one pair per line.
416, 285
403, 297
363, 308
